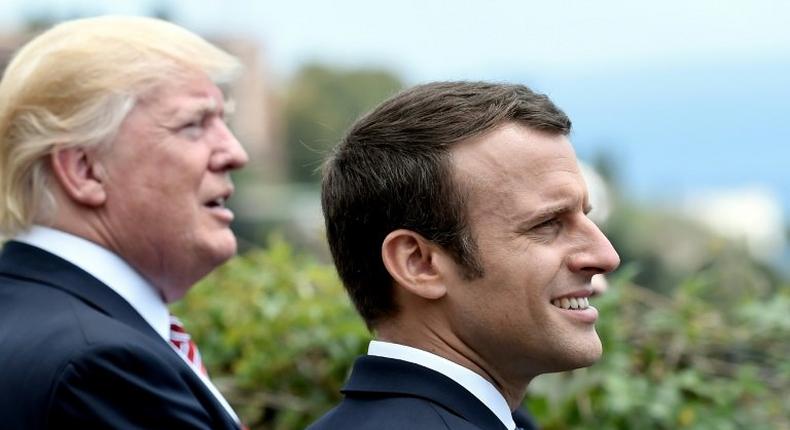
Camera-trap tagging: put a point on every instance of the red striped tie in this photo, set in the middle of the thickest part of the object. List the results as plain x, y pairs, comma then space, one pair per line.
183, 343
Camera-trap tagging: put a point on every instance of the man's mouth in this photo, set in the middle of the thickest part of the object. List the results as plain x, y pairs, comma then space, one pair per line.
572, 303
219, 202
217, 208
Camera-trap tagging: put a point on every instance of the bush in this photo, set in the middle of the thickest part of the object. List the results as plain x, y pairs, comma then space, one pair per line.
279, 335
692, 360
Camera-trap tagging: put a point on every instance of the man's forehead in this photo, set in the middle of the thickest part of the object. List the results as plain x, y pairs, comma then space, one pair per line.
170, 114
512, 153
564, 196
179, 93
195, 102
520, 171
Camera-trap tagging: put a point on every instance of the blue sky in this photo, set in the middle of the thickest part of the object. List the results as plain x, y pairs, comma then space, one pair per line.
687, 95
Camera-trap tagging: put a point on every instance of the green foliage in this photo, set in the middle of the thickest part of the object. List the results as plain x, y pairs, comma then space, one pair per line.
697, 359
669, 248
279, 335
321, 103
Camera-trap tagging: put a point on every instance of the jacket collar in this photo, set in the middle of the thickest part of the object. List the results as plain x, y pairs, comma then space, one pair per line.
382, 375
24, 261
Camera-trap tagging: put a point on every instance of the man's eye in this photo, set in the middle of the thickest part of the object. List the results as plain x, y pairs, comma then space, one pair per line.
546, 231
548, 227
193, 124
550, 224
192, 129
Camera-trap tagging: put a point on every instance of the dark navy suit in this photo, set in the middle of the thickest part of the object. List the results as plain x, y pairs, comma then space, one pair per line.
75, 355
389, 394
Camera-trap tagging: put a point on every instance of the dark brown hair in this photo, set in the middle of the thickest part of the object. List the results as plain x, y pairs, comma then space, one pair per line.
392, 170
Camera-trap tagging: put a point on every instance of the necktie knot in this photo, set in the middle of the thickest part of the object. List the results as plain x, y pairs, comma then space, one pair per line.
183, 343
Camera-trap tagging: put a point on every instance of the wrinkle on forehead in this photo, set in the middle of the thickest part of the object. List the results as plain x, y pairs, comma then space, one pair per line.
492, 153
191, 104
190, 84
512, 169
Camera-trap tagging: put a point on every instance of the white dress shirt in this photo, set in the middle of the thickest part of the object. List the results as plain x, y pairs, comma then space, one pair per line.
112, 271
474, 383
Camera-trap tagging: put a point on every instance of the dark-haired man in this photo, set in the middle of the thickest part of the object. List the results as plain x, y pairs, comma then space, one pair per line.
457, 218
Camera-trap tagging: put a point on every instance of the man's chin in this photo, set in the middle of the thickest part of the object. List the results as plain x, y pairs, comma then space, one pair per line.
223, 247
590, 355
579, 355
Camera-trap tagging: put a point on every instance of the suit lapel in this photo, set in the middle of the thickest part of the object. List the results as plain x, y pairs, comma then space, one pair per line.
24, 261
523, 420
380, 375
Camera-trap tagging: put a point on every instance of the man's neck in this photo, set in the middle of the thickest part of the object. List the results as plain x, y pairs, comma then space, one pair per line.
453, 349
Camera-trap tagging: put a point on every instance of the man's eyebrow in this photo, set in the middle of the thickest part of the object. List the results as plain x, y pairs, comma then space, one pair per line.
550, 211
202, 108
539, 215
208, 105
553, 210
199, 107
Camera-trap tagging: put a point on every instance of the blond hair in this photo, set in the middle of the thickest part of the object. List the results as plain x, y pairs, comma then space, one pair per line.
74, 85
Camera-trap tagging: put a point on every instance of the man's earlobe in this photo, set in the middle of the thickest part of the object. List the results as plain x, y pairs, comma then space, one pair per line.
80, 175
410, 260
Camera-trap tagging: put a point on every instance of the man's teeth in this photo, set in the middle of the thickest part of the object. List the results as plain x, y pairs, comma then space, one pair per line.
571, 303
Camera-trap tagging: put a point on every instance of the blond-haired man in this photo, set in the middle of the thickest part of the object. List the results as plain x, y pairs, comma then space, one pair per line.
114, 162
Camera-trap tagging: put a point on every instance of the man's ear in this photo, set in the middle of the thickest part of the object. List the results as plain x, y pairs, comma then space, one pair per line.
80, 175
411, 261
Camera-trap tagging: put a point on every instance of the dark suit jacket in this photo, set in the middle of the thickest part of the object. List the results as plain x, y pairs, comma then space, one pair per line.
75, 355
387, 394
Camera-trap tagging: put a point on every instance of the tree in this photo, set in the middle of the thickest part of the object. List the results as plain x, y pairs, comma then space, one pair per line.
321, 103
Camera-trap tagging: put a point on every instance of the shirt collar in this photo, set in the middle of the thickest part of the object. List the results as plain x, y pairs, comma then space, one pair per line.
108, 268
474, 383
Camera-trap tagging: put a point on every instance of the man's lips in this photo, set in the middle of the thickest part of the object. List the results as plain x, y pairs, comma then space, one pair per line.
581, 293
572, 303
217, 206
577, 305
218, 202
219, 199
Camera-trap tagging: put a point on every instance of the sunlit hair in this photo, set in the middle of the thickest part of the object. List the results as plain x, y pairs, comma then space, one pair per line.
73, 85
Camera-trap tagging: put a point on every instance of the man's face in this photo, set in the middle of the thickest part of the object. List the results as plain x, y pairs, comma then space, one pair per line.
167, 181
527, 205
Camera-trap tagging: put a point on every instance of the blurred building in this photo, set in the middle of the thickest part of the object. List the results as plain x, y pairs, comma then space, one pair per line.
8, 44
256, 119
752, 216
599, 193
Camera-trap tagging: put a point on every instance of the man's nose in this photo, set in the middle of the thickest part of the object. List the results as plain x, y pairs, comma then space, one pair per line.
230, 155
595, 254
